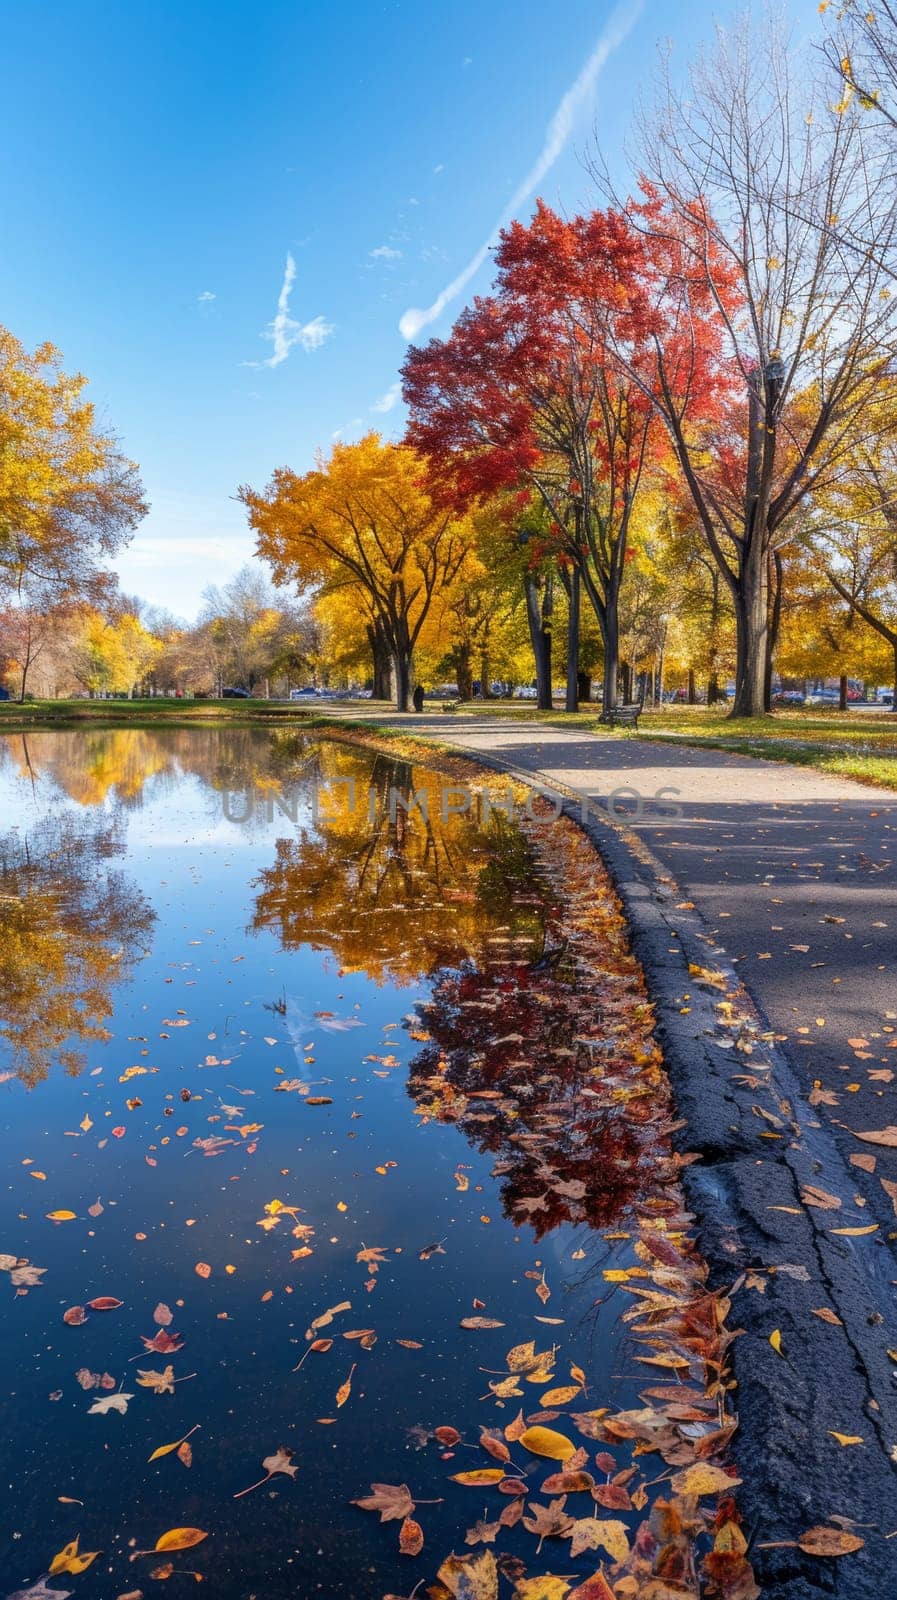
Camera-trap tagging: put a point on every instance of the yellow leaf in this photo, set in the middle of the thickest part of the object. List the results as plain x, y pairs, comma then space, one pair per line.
61, 1216
546, 1588
545, 1442
560, 1397
846, 1438
480, 1475
164, 1450
854, 1233
775, 1339
60, 1562
180, 1539
702, 1479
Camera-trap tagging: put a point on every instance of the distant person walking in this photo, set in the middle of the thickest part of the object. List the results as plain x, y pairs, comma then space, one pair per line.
418, 697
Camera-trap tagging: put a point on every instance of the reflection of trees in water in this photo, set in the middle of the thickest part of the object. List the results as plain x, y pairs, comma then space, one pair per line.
394, 893
93, 766
531, 1065
71, 929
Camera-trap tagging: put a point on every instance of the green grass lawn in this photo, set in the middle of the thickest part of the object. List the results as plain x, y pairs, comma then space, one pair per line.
120, 713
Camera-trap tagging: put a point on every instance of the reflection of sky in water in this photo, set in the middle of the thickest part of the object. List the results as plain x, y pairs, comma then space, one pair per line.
233, 938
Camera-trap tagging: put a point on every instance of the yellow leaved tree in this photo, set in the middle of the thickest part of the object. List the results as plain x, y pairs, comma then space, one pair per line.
363, 521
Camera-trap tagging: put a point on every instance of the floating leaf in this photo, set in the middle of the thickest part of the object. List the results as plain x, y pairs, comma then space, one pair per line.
280, 1461
392, 1500
61, 1216
345, 1389
480, 1322
703, 1479
545, 1442
110, 1402
411, 1538
106, 1302
480, 1475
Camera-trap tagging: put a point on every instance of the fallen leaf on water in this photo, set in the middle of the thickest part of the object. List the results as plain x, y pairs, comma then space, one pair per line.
69, 1560
159, 1382
163, 1343
545, 1442
479, 1476
775, 1339
846, 1438
166, 1449
703, 1479
345, 1389
480, 1322
549, 1522
547, 1588
202, 1269
106, 1302
280, 1461
163, 1315
411, 1538
110, 1402
61, 1216
591, 1534
75, 1316
855, 1233
392, 1500
822, 1541
175, 1539
470, 1577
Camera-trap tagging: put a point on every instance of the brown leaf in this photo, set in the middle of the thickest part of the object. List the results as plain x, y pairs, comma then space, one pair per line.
480, 1322
159, 1382
411, 1538
75, 1316
447, 1436
163, 1315
163, 1343
549, 1522
495, 1447
822, 1541
345, 1389
106, 1302
392, 1500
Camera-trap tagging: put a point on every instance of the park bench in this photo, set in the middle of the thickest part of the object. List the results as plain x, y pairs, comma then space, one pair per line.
625, 716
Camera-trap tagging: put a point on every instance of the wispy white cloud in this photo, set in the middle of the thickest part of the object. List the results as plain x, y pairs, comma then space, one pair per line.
206, 298
439, 168
557, 134
389, 400
385, 252
284, 332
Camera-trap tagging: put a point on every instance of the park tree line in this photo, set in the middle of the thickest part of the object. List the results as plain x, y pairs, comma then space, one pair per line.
662, 447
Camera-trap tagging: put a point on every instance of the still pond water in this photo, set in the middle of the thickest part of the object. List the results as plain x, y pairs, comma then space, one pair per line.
239, 1036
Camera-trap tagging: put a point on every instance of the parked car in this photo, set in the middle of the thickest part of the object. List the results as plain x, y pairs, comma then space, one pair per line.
788, 697
305, 693
4, 693
526, 691
235, 693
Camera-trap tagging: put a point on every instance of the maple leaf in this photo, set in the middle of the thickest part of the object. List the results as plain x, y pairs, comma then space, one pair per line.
159, 1382
374, 1255
110, 1402
590, 1534
280, 1461
549, 1522
392, 1500
163, 1343
26, 1276
484, 1532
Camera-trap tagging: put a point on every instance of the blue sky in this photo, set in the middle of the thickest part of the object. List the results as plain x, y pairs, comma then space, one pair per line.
161, 162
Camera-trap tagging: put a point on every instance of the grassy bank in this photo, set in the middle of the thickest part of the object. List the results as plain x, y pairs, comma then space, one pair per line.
137, 713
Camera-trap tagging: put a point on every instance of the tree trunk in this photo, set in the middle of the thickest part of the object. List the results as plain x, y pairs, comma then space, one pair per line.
402, 664
463, 671
692, 690
611, 660
538, 616
573, 616
752, 624
584, 684
380, 654
713, 694
842, 692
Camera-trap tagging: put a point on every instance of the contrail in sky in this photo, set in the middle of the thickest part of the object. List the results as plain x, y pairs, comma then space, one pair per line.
559, 130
